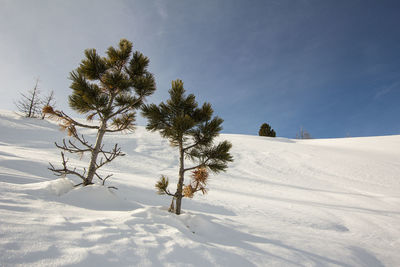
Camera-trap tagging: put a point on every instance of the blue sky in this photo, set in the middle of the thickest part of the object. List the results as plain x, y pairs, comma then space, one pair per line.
331, 67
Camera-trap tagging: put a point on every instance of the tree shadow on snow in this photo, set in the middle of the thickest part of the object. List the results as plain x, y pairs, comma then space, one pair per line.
151, 198
205, 229
24, 171
29, 132
365, 258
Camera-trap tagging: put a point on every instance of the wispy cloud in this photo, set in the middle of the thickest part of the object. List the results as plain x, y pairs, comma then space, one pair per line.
161, 9
387, 89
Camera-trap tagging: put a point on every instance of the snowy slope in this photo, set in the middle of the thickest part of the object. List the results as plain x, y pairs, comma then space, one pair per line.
282, 203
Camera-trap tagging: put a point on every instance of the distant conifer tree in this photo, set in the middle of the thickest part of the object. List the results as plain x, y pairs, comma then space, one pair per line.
108, 89
192, 130
266, 130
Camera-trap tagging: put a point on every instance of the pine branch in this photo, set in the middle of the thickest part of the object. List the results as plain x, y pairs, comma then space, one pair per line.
126, 108
78, 123
64, 117
197, 166
162, 187
191, 146
114, 130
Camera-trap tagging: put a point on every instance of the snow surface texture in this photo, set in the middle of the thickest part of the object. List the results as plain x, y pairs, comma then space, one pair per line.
282, 203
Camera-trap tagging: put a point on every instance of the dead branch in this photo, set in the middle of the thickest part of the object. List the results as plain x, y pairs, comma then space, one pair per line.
62, 172
102, 179
109, 156
83, 141
108, 176
71, 147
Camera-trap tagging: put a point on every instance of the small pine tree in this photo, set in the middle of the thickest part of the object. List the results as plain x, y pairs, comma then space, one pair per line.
192, 130
109, 89
29, 104
266, 130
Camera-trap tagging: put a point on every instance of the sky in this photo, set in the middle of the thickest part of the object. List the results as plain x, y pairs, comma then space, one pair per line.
331, 67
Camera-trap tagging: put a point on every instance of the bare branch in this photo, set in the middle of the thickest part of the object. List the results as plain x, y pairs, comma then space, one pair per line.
62, 172
108, 176
103, 179
71, 147
82, 140
98, 176
109, 156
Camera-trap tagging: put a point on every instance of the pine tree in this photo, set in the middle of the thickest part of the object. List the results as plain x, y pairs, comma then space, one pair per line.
29, 104
266, 130
109, 89
192, 130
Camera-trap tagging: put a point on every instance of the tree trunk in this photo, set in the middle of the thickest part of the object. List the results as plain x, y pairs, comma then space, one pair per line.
180, 182
95, 153
99, 140
31, 112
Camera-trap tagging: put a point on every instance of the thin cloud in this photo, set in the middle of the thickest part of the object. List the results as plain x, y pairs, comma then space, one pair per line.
386, 90
161, 9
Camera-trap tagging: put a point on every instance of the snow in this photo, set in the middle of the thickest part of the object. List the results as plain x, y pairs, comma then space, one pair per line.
282, 202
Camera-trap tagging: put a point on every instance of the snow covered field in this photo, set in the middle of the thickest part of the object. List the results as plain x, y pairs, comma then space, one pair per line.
282, 202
